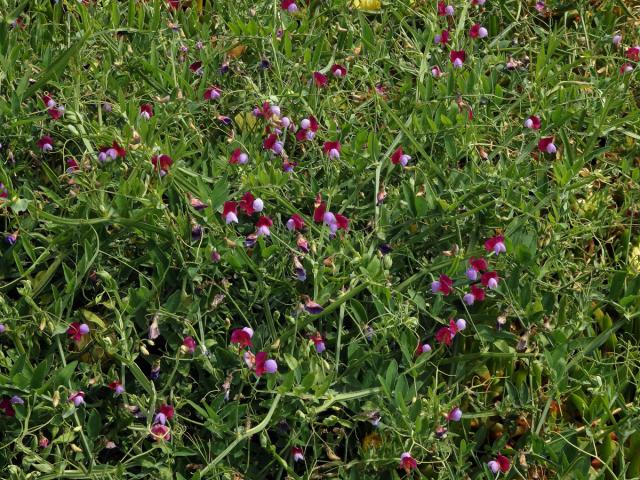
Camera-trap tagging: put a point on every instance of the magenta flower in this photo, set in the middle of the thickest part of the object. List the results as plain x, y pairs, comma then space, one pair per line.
162, 163
189, 344
238, 157
76, 398
616, 39
436, 72
445, 334
242, 337
246, 204
457, 58
441, 38
533, 122
111, 153
422, 348
196, 67
212, 93
478, 2
500, 464
407, 462
264, 224
289, 5
160, 432
165, 412
116, 387
318, 341
56, 112
338, 71
626, 68
445, 10
540, 6
399, 157
332, 149
319, 210
455, 415
272, 143
633, 53
478, 31
45, 143
230, 212
264, 365
476, 265
443, 285
295, 223
546, 145
308, 128
48, 100
297, 454
146, 111
495, 245
76, 331
320, 80
475, 295
490, 280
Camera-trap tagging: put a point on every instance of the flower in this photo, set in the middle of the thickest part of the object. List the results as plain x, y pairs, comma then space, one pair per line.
546, 145
298, 268
616, 39
242, 336
12, 238
238, 156
500, 464
436, 72
165, 412
445, 10
318, 341
422, 348
633, 53
312, 307
16, 400
540, 6
289, 5
457, 57
74, 166
215, 256
308, 128
443, 285
4, 193
160, 432
454, 415
339, 71
478, 31
212, 93
441, 38
295, 223
319, 210
45, 143
398, 157
197, 203
230, 212
264, 365
476, 294
246, 203
461, 324
320, 80
196, 67
476, 265
76, 398
332, 149
490, 280
111, 153
533, 122
272, 143
117, 387
493, 466
161, 163
478, 2
146, 111
297, 454
7, 407
495, 245
43, 442
48, 100
302, 244
76, 331
408, 462
56, 112
626, 68
445, 334
264, 224
189, 344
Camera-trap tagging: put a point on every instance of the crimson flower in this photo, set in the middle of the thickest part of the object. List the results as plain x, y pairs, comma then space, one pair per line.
308, 128
242, 337
443, 285
495, 245
546, 145
407, 462
320, 80
238, 157
533, 122
162, 163
246, 203
633, 53
332, 149
146, 111
264, 365
230, 212
338, 70
295, 223
457, 57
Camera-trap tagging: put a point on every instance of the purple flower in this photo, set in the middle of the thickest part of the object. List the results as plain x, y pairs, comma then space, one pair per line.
17, 400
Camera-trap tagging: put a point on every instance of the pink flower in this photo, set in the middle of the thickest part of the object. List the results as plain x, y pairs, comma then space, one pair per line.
297, 454
320, 80
160, 432
626, 68
289, 5
212, 93
332, 149
533, 122
500, 464
422, 348
546, 145
76, 398
476, 265
308, 128
117, 387
242, 337
540, 6
457, 58
238, 157
295, 223
478, 31
45, 143
165, 412
436, 72
189, 344
318, 341
475, 295
338, 71
407, 462
443, 285
264, 224
43, 442
490, 280
264, 365
616, 39
56, 112
146, 111
454, 415
633, 53
272, 143
442, 38
399, 157
162, 163
48, 100
495, 245
76, 331
230, 212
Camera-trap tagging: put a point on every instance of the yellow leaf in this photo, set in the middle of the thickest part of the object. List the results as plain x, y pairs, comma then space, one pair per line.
236, 51
371, 5
246, 119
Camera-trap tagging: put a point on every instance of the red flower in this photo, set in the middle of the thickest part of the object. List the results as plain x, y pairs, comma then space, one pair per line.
212, 93
45, 143
342, 221
407, 462
504, 463
319, 210
246, 203
237, 156
546, 145
443, 285
296, 222
533, 122
173, 4
146, 111
478, 293
399, 157
442, 9
56, 112
479, 264
303, 132
320, 80
196, 67
443, 38
475, 30
74, 331
490, 279
270, 141
242, 336
7, 408
457, 57
230, 212
495, 244
162, 163
48, 100
633, 53
338, 70
445, 334
332, 149
289, 5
